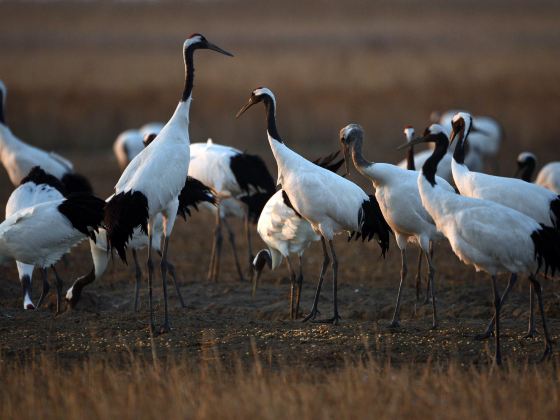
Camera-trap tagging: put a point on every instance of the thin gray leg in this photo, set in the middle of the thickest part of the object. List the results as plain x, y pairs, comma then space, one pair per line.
532, 330
138, 274
172, 272
231, 237
292, 288
163, 266
299, 284
489, 329
419, 276
404, 269
548, 341
248, 236
59, 284
497, 307
150, 264
326, 261
431, 282
46, 288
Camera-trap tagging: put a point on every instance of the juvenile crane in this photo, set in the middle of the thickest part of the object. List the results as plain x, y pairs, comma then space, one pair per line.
487, 235
329, 202
396, 191
151, 183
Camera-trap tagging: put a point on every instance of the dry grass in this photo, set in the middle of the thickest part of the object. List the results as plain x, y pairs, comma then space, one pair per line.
208, 389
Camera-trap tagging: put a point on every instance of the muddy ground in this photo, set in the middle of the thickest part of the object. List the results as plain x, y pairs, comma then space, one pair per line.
224, 318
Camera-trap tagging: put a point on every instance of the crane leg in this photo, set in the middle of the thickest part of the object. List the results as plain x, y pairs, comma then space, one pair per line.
46, 288
428, 281
138, 274
248, 236
532, 330
292, 288
163, 266
548, 341
489, 329
150, 265
431, 282
59, 284
231, 237
497, 307
216, 250
395, 321
419, 276
173, 273
326, 260
299, 285
334, 265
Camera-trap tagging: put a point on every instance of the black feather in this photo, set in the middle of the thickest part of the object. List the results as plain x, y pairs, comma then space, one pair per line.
372, 223
328, 162
547, 248
193, 193
84, 211
555, 209
123, 214
76, 183
251, 171
255, 204
288, 203
39, 176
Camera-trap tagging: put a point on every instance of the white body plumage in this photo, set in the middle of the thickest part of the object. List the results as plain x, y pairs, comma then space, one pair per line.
549, 177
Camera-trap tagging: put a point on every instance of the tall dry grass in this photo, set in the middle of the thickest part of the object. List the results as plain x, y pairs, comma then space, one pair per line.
210, 389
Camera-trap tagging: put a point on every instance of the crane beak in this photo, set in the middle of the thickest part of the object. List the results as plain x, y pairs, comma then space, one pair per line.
411, 143
246, 107
346, 153
214, 47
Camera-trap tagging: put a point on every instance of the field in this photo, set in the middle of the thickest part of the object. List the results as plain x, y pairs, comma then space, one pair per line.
79, 73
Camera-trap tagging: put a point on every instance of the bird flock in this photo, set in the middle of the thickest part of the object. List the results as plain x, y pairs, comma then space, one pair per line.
495, 224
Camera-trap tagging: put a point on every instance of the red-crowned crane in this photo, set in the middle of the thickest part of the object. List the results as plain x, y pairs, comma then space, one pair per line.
331, 203
242, 183
131, 142
151, 183
19, 158
396, 191
537, 202
41, 234
487, 235
285, 232
193, 194
37, 187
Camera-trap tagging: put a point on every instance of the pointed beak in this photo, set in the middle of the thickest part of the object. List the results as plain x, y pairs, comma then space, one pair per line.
411, 143
245, 107
346, 153
214, 47
255, 281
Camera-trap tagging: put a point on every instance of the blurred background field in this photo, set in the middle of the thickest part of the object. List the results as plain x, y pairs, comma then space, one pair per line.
78, 73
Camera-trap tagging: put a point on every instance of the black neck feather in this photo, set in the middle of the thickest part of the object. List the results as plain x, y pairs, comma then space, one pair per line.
270, 108
189, 73
430, 166
527, 170
460, 150
410, 165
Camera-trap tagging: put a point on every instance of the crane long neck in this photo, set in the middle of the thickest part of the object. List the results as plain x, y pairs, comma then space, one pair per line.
430, 166
357, 157
410, 165
189, 73
461, 149
270, 108
527, 171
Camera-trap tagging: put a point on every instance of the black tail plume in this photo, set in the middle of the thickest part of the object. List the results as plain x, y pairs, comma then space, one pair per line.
372, 222
328, 162
555, 209
193, 193
39, 176
123, 214
76, 183
251, 171
255, 204
547, 248
84, 211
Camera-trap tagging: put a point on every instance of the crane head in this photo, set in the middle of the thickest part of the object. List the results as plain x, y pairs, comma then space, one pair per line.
198, 41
